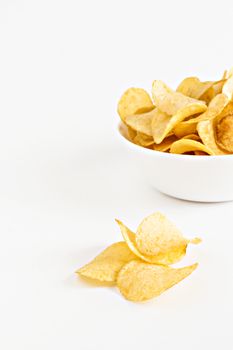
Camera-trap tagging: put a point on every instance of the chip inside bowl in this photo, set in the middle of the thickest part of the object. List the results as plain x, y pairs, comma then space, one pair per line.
173, 107
141, 122
207, 134
134, 100
194, 88
224, 132
185, 145
164, 124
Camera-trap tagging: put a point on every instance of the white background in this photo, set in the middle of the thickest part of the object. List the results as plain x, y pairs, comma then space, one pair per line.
64, 176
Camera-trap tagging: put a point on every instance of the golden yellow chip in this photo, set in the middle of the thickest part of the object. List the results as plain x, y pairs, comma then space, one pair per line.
227, 74
224, 132
165, 145
228, 88
215, 107
185, 145
141, 122
129, 238
158, 237
139, 281
194, 137
131, 133
194, 88
218, 85
204, 91
106, 265
183, 129
159, 126
208, 95
173, 108
172, 102
200, 153
170, 122
207, 134
133, 101
143, 140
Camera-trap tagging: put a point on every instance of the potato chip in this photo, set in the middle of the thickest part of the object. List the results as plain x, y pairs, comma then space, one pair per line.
204, 91
215, 107
165, 145
193, 87
131, 133
208, 95
127, 132
224, 132
227, 74
200, 153
107, 264
158, 237
136, 137
133, 101
207, 134
194, 137
139, 281
185, 145
143, 140
159, 126
183, 129
218, 85
141, 122
173, 104
174, 122
129, 238
228, 88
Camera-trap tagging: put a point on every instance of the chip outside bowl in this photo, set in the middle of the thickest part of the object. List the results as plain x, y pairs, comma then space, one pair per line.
193, 178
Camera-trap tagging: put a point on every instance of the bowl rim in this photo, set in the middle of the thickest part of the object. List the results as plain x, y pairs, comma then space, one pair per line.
173, 156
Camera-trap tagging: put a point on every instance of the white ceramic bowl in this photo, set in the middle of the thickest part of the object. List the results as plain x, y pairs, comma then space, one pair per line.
194, 178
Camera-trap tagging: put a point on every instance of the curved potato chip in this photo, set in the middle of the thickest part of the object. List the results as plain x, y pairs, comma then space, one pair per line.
183, 129
228, 88
106, 265
226, 73
207, 134
218, 85
208, 95
131, 133
224, 132
165, 145
158, 237
139, 281
159, 125
200, 153
141, 122
204, 91
193, 87
134, 100
172, 102
194, 137
185, 145
129, 238
215, 107
135, 137
143, 140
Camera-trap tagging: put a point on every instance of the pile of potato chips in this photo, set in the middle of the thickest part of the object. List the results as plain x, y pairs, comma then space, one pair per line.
139, 266
195, 119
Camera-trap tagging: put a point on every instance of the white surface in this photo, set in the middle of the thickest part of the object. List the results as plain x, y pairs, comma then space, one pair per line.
199, 179
64, 178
